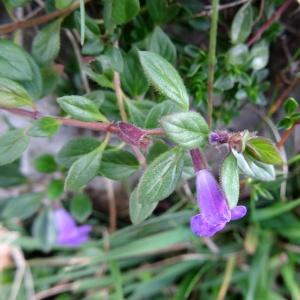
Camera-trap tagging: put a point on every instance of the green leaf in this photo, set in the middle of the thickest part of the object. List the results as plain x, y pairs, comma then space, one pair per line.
290, 106
161, 12
112, 59
187, 129
156, 149
46, 44
260, 55
138, 210
242, 24
81, 207
34, 87
10, 175
158, 111
133, 79
44, 127
253, 168
92, 47
62, 4
74, 149
225, 82
81, 108
13, 62
238, 55
84, 170
124, 10
160, 178
164, 78
44, 229
138, 111
230, 180
55, 189
263, 150
45, 163
13, 95
162, 45
12, 144
118, 164
285, 123
23, 206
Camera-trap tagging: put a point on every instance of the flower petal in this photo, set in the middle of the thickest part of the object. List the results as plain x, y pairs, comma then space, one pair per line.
63, 220
201, 227
211, 199
238, 212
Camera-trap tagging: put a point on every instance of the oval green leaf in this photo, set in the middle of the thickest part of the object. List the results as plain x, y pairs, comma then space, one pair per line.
164, 78
187, 129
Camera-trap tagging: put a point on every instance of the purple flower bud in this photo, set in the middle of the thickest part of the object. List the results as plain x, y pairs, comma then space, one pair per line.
68, 233
132, 135
219, 137
215, 212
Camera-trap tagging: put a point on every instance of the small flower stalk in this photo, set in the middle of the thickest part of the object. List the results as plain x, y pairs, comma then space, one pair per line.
68, 233
215, 212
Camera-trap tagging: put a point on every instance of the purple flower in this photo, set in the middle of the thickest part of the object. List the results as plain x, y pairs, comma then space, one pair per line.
68, 233
215, 212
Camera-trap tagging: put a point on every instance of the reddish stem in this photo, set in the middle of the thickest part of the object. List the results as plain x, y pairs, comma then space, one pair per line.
286, 135
198, 160
276, 15
7, 28
97, 126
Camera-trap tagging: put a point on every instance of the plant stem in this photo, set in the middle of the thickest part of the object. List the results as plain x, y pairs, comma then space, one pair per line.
97, 126
118, 91
212, 58
7, 28
276, 15
227, 277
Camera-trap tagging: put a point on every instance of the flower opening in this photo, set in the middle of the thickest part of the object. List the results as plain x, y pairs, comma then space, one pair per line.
215, 212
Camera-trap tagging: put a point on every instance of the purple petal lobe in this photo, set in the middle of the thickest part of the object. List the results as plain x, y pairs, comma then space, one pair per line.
68, 233
238, 212
64, 220
211, 200
201, 227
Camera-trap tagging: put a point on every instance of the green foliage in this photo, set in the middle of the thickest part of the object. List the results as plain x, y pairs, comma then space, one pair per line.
13, 95
164, 78
124, 10
160, 178
133, 79
14, 63
12, 144
242, 24
44, 230
23, 206
45, 163
80, 108
229, 177
253, 168
158, 111
187, 129
77, 59
263, 150
44, 127
118, 164
74, 149
55, 189
84, 170
161, 44
81, 207
46, 44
